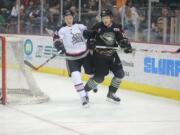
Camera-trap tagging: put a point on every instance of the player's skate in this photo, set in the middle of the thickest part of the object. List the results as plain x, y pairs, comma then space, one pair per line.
85, 101
111, 97
95, 90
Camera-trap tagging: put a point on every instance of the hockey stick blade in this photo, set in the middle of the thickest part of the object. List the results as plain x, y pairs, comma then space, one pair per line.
178, 50
30, 64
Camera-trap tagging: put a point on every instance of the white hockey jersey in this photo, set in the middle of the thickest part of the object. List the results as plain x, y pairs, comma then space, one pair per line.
73, 40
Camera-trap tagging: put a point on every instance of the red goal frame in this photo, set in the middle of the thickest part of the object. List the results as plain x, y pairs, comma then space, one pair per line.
3, 63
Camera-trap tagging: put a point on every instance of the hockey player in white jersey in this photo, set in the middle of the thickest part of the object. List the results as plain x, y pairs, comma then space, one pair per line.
69, 40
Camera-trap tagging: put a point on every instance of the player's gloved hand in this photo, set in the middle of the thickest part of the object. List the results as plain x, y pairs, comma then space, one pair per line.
62, 51
178, 50
128, 50
124, 43
59, 47
89, 34
91, 43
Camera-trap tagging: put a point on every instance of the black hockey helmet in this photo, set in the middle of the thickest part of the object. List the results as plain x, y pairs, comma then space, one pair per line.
67, 12
106, 12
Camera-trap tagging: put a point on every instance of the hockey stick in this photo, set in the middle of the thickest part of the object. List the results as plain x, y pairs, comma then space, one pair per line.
156, 51
36, 68
63, 56
140, 50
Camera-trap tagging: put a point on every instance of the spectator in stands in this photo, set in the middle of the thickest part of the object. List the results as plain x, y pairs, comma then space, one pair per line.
68, 4
54, 12
27, 2
4, 12
27, 19
2, 23
14, 11
128, 25
116, 15
105, 4
93, 7
7, 3
75, 13
90, 11
165, 21
14, 16
132, 20
35, 17
90, 7
156, 32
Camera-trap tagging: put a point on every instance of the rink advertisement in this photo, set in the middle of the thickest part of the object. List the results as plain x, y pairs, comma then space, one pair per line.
155, 71
152, 68
42, 50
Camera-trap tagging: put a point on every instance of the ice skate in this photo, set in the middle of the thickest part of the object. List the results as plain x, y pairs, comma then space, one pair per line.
111, 97
85, 102
95, 90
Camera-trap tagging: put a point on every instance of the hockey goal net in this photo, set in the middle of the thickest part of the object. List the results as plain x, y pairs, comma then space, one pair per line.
17, 83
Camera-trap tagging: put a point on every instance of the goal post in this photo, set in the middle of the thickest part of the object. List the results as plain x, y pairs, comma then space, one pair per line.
3, 70
18, 85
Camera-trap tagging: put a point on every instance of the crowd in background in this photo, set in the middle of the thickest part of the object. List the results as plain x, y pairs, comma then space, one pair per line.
133, 16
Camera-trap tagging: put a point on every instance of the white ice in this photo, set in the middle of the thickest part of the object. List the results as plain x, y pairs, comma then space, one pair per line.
137, 114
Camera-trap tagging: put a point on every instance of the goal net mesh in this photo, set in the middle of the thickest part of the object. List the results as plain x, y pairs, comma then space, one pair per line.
21, 87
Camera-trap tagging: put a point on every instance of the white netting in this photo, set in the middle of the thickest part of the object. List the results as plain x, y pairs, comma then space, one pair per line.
21, 86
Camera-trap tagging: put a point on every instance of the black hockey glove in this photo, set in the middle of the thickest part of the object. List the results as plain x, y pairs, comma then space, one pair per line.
126, 45
89, 34
178, 50
59, 47
128, 50
91, 43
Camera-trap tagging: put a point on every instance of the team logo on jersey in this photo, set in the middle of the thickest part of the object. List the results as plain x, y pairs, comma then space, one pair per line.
108, 38
77, 38
28, 47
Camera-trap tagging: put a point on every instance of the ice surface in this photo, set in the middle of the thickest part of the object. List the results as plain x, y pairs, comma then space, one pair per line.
137, 114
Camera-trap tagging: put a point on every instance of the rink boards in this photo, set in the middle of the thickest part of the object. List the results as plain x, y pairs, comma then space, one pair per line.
149, 71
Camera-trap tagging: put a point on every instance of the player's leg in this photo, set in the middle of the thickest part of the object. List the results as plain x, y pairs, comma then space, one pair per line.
95, 90
117, 69
74, 68
93, 82
101, 69
88, 65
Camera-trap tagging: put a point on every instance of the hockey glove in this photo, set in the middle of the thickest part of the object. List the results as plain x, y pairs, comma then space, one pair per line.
128, 50
59, 47
91, 43
89, 34
178, 51
126, 45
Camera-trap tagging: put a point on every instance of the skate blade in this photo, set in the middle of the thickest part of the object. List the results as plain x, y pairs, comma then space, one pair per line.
86, 106
112, 101
95, 91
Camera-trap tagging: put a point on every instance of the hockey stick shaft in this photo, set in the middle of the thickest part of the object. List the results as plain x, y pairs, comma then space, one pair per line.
157, 51
36, 68
140, 50
52, 57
